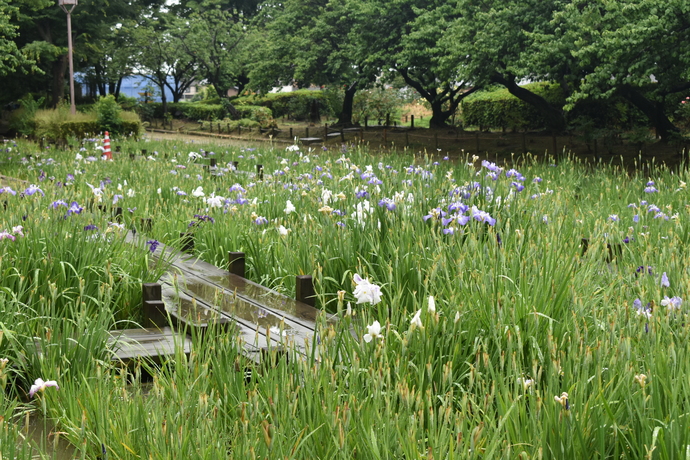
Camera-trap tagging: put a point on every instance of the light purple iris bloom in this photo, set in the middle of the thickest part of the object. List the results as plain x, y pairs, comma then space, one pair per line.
32, 189
664, 280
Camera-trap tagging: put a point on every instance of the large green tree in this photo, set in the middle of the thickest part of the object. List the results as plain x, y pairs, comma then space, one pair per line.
637, 49
217, 36
493, 41
43, 35
11, 58
311, 42
160, 59
403, 36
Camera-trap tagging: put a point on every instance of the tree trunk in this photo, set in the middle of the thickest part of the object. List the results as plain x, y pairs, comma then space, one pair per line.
164, 101
653, 110
439, 117
118, 87
111, 87
345, 117
555, 120
59, 67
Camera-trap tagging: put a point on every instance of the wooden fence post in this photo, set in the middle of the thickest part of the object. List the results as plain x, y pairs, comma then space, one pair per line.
304, 290
411, 121
187, 241
260, 171
153, 306
237, 263
146, 224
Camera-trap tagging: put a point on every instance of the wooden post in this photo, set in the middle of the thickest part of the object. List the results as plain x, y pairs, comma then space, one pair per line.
213, 162
615, 252
385, 135
325, 132
146, 224
584, 243
237, 263
236, 165
260, 171
239, 130
143, 152
291, 137
117, 212
306, 132
405, 118
118, 149
304, 290
187, 241
342, 134
411, 121
366, 122
153, 306
388, 119
477, 141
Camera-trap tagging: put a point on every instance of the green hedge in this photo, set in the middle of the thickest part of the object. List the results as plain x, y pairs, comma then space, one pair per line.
498, 109
295, 105
81, 129
189, 110
231, 124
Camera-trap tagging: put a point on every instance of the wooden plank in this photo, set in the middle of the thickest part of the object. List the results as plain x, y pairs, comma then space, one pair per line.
130, 344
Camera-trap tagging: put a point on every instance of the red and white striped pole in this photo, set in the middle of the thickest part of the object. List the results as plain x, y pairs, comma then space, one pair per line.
106, 147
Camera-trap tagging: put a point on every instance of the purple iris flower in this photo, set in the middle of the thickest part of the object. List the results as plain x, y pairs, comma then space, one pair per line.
449, 231
8, 190
362, 194
650, 189
337, 212
116, 198
482, 216
388, 203
664, 280
458, 206
641, 269
90, 227
260, 220
536, 180
7, 235
636, 218
58, 203
153, 245
32, 189
74, 208
518, 186
492, 176
491, 166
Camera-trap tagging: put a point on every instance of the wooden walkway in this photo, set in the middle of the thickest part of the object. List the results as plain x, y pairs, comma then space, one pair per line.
196, 294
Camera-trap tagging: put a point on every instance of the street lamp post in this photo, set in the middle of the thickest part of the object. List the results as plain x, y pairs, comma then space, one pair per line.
67, 6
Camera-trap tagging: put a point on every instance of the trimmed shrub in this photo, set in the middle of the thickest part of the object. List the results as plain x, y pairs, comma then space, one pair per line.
296, 105
498, 109
108, 111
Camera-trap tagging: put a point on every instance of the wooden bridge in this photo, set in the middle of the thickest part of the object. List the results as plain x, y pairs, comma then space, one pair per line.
194, 295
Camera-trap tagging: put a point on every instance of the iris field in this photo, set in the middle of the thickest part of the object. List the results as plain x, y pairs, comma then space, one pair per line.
474, 321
